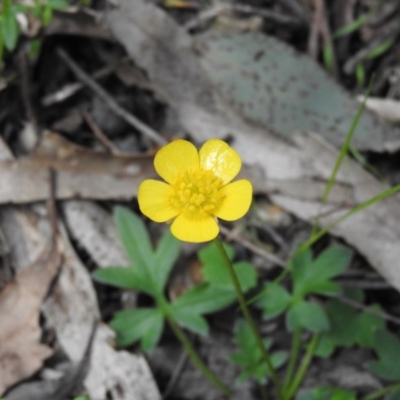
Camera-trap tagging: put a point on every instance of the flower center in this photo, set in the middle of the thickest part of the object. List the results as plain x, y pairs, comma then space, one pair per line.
197, 194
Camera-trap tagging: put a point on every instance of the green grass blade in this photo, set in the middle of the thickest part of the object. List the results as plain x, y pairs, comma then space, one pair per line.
354, 210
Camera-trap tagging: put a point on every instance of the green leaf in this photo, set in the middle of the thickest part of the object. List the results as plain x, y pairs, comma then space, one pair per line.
307, 315
379, 50
204, 299
9, 29
327, 393
395, 395
218, 275
166, 255
325, 346
300, 263
134, 237
314, 277
190, 320
211, 255
58, 4
34, 48
249, 356
144, 323
342, 331
332, 262
274, 300
136, 242
367, 325
46, 15
125, 278
1, 46
387, 347
80, 398
351, 27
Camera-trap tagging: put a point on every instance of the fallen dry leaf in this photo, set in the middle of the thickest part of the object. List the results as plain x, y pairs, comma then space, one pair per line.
21, 353
80, 173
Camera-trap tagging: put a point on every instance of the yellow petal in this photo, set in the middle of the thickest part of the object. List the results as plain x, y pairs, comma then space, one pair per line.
238, 196
219, 157
194, 230
153, 198
174, 158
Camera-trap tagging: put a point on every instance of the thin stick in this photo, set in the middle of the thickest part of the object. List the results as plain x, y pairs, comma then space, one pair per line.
252, 247
108, 100
108, 144
195, 358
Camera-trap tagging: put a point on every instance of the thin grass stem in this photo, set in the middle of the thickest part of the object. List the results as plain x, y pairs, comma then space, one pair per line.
249, 319
303, 367
382, 392
294, 354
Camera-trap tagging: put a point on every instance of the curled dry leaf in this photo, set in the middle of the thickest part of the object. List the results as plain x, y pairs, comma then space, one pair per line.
21, 353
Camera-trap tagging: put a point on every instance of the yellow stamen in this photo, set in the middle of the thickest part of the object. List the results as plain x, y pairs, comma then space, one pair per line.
196, 193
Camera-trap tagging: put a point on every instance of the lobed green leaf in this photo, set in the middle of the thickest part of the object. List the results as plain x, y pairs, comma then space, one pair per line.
145, 324
307, 315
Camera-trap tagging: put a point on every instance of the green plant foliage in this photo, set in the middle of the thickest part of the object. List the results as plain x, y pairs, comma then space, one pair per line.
274, 301
315, 277
249, 356
9, 28
387, 347
145, 324
351, 27
215, 272
150, 268
307, 315
85, 397
327, 393
149, 273
309, 277
216, 292
394, 395
348, 327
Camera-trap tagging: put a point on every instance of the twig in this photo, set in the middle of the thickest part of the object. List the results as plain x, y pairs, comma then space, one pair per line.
243, 8
320, 26
175, 374
109, 101
100, 135
353, 61
252, 247
70, 89
25, 91
369, 310
52, 208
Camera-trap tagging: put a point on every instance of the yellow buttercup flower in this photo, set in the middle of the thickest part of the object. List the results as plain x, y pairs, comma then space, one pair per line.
197, 189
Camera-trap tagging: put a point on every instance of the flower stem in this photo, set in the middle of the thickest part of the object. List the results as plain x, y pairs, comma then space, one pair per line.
180, 334
248, 317
303, 367
382, 392
294, 353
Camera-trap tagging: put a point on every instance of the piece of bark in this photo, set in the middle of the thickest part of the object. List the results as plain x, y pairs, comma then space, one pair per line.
80, 173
